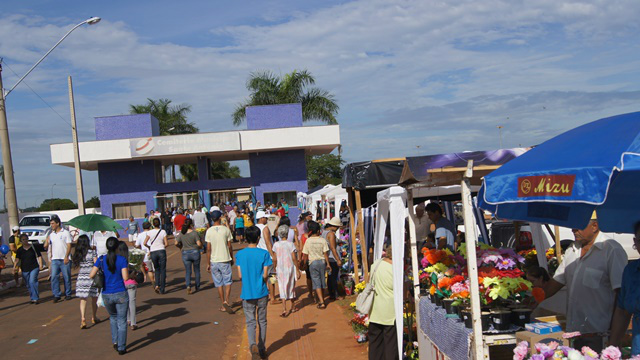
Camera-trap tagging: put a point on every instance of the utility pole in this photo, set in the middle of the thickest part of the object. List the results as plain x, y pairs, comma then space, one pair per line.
76, 151
9, 182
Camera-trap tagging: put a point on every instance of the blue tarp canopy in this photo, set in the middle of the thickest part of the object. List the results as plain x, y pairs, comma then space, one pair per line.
593, 167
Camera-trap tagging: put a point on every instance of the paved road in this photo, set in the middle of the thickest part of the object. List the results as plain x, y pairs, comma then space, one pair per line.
174, 325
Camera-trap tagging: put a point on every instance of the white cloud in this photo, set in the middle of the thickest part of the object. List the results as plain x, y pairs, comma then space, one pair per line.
386, 60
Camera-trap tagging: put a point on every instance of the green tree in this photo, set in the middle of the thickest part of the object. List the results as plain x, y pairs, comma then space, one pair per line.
172, 118
94, 202
267, 88
324, 169
57, 204
173, 121
223, 170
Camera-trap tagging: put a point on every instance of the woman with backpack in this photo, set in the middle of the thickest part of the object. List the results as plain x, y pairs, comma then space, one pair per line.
115, 270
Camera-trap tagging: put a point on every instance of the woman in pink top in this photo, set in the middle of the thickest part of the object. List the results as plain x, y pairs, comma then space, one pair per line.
132, 287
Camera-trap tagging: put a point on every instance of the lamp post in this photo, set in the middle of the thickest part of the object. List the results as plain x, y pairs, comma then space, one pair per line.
10, 187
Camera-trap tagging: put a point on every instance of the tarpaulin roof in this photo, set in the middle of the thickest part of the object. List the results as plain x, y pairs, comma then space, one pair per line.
422, 168
368, 174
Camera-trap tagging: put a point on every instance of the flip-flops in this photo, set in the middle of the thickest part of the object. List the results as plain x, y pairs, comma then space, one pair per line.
227, 308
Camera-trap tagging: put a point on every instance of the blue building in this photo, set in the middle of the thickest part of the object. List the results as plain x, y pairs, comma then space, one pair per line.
139, 170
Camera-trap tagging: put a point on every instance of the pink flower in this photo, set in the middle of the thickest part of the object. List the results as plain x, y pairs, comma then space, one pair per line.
589, 353
611, 353
544, 350
553, 345
521, 351
570, 335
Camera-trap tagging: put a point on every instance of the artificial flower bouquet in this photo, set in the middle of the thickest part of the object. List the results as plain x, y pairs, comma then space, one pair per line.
554, 351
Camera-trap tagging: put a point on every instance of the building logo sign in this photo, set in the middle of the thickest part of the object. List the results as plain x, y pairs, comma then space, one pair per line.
545, 185
184, 144
144, 146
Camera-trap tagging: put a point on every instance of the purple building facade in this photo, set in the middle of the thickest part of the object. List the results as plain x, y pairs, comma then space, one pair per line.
274, 174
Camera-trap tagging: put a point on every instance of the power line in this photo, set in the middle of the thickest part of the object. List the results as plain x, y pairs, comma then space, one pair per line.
40, 97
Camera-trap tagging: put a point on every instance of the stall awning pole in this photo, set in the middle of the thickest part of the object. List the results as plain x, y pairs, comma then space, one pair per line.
352, 236
414, 252
471, 238
363, 238
558, 245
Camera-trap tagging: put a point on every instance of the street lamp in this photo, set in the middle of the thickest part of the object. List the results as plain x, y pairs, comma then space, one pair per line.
10, 186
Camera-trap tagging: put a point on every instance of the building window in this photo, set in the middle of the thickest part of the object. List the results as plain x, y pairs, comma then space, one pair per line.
170, 172
289, 196
228, 169
123, 211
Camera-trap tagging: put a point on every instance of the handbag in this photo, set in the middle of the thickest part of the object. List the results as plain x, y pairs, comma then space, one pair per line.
364, 301
98, 279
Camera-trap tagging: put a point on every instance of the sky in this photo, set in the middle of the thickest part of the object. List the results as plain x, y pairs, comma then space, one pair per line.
411, 77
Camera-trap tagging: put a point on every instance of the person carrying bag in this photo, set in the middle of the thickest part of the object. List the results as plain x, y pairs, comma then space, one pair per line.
157, 250
364, 301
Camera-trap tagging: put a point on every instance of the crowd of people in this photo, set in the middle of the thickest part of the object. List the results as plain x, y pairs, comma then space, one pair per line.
268, 261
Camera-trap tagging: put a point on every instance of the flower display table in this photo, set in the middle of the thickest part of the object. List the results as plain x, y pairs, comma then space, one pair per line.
446, 338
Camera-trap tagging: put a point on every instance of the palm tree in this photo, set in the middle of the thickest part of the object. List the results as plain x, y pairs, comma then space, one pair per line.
268, 89
173, 121
172, 118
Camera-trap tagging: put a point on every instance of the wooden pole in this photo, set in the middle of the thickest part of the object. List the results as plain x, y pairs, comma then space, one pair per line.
352, 235
558, 246
363, 239
76, 151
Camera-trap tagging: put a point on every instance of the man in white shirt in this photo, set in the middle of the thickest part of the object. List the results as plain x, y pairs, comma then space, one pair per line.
423, 226
100, 241
200, 220
591, 269
60, 241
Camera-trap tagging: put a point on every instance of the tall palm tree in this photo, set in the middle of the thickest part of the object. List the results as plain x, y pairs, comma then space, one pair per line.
173, 121
169, 116
267, 88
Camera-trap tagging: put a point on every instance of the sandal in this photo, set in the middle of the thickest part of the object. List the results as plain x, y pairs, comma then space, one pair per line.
95, 321
83, 325
284, 314
222, 309
157, 289
227, 308
321, 306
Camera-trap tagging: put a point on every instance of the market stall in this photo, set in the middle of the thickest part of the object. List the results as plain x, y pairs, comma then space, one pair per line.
441, 173
465, 169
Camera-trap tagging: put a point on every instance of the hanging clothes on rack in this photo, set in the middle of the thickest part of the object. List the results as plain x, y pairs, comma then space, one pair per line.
368, 218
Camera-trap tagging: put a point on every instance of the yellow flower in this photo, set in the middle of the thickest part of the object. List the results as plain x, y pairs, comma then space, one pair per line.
352, 305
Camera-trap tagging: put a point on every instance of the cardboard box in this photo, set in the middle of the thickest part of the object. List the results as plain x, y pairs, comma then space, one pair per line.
560, 320
542, 328
533, 338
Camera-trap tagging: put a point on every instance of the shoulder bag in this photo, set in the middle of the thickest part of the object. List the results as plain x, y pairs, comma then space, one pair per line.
154, 239
98, 279
364, 301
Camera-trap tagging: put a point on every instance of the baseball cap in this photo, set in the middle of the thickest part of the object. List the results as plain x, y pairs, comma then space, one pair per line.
214, 208
216, 214
15, 228
260, 215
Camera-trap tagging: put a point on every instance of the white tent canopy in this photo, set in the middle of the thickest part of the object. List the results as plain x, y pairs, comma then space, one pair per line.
392, 210
327, 194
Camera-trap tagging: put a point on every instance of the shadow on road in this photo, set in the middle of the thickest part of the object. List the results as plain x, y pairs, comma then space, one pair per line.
291, 336
163, 316
165, 301
159, 335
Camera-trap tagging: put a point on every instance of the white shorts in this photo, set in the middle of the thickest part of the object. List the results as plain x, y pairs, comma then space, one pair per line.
131, 238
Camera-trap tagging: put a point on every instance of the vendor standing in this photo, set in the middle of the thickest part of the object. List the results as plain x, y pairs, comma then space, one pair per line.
592, 271
445, 230
629, 302
423, 226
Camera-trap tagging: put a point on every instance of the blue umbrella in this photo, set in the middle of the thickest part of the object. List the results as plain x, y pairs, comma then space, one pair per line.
593, 167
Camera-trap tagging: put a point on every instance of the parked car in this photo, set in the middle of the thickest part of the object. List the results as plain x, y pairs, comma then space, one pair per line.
37, 227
